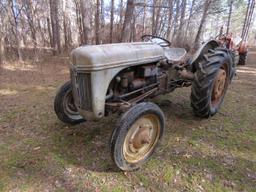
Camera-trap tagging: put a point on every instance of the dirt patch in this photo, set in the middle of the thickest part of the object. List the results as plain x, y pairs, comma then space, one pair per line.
39, 153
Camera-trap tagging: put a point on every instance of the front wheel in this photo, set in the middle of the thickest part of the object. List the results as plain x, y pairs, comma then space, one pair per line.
136, 135
64, 105
213, 74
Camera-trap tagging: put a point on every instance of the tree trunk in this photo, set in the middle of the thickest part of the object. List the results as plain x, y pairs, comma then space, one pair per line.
127, 21
189, 17
17, 34
121, 12
229, 15
85, 20
102, 14
111, 21
170, 19
246, 19
49, 31
175, 23
79, 21
65, 27
153, 17
144, 17
249, 20
30, 19
199, 32
2, 54
180, 30
54, 9
42, 33
133, 34
156, 28
97, 23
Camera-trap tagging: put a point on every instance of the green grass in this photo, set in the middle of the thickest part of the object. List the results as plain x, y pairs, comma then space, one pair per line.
38, 152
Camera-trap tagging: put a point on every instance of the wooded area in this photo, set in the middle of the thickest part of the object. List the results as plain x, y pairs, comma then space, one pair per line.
57, 26
41, 152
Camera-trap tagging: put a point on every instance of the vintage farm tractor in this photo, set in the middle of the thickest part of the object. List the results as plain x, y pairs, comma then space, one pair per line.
122, 78
237, 45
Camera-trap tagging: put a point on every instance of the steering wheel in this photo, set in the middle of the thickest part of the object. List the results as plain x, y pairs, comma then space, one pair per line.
163, 43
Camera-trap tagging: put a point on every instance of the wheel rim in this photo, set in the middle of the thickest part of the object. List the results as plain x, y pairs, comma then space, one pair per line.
141, 138
69, 106
219, 87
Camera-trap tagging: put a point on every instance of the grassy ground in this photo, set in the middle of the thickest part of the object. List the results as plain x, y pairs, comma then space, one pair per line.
40, 153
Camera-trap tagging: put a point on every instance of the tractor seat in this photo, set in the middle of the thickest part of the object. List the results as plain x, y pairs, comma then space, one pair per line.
175, 54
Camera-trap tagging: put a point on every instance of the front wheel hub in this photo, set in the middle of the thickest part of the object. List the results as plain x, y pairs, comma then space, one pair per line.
141, 138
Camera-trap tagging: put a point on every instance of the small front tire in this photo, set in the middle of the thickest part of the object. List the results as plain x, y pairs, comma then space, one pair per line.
64, 106
136, 135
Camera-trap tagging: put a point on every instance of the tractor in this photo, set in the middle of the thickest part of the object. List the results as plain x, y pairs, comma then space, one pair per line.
123, 78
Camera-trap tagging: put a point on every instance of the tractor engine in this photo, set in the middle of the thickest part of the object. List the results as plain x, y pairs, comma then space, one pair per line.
140, 82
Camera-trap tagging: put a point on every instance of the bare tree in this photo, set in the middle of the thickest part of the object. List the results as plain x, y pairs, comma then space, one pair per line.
127, 21
182, 16
30, 19
170, 17
175, 22
121, 12
3, 20
229, 14
190, 16
85, 21
97, 22
158, 11
144, 17
49, 30
59, 24
111, 21
248, 19
54, 9
207, 4
14, 21
66, 27
102, 13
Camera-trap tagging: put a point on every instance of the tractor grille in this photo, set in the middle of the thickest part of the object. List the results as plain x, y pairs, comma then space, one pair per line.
82, 92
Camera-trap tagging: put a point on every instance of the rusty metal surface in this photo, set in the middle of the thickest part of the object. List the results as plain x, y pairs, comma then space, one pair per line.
211, 44
133, 67
141, 138
219, 86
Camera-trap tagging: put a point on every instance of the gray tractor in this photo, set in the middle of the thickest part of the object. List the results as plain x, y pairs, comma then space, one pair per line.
123, 77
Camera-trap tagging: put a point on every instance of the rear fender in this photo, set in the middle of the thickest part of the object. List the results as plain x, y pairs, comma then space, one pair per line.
212, 44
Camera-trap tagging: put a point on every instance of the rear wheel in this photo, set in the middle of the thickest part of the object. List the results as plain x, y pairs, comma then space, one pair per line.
242, 58
136, 135
212, 77
64, 105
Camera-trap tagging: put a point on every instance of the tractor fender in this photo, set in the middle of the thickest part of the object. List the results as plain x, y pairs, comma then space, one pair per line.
211, 44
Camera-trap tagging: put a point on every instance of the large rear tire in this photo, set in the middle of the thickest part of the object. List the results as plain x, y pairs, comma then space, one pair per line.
214, 72
136, 135
64, 106
242, 58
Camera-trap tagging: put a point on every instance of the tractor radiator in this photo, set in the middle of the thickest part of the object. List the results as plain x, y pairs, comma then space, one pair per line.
81, 87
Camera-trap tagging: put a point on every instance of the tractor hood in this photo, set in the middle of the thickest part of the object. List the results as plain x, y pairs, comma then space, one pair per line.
100, 57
